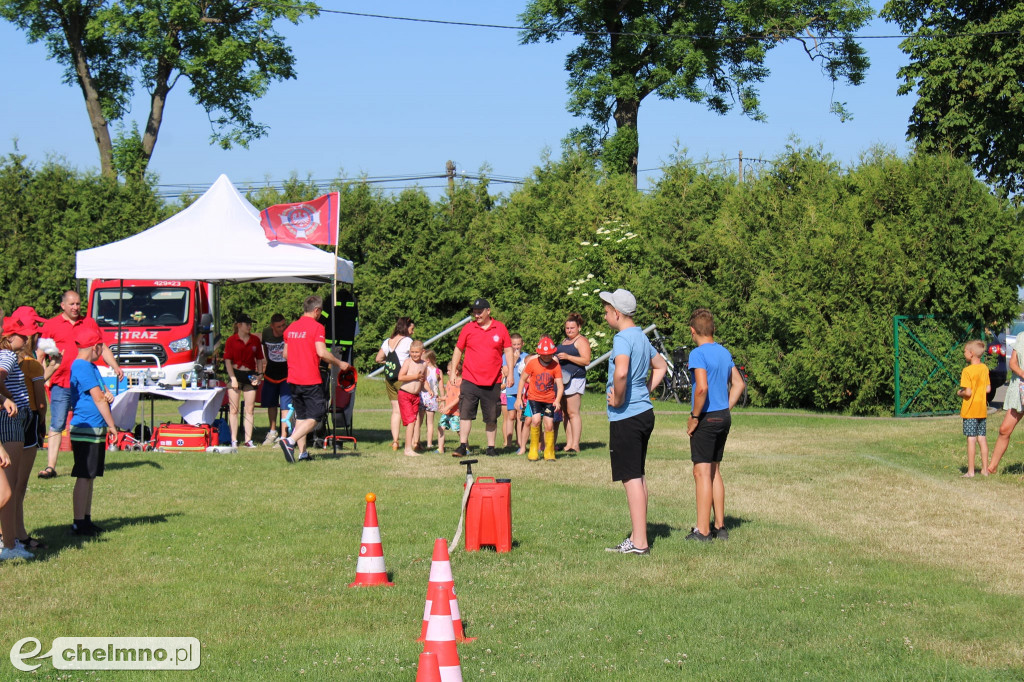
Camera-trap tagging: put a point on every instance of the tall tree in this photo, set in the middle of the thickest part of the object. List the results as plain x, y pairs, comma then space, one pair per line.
227, 50
706, 51
967, 69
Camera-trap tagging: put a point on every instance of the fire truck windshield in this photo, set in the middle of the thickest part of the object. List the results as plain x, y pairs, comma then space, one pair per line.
141, 307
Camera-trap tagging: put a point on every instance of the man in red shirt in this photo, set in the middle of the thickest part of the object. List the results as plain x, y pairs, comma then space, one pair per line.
482, 343
304, 347
61, 329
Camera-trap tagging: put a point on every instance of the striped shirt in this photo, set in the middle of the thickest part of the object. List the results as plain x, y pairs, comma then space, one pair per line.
15, 381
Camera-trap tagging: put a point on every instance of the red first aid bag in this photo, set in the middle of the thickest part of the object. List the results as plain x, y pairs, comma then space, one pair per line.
184, 437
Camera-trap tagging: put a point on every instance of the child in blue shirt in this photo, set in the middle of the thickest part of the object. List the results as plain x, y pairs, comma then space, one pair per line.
709, 423
89, 426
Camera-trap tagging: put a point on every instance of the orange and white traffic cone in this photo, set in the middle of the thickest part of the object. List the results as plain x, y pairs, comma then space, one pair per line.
370, 566
441, 574
428, 670
440, 639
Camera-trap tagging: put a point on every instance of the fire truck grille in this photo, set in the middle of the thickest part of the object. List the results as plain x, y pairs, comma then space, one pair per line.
138, 354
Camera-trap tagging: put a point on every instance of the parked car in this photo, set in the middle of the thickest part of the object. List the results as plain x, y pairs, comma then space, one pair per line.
1002, 349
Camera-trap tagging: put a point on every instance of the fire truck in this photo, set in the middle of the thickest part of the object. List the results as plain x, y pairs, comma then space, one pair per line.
165, 327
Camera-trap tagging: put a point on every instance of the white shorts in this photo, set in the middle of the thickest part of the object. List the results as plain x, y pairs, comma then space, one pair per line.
576, 386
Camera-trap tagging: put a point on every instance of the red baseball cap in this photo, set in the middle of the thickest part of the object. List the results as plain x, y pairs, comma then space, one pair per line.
546, 346
28, 315
87, 336
13, 325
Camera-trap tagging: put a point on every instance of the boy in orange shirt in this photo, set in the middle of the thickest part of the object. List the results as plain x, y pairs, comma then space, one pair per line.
974, 387
541, 384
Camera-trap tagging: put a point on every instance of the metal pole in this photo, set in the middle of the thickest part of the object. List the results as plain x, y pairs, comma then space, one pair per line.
428, 341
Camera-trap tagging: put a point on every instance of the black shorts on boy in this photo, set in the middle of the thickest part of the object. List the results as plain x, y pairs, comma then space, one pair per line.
707, 444
627, 445
543, 409
89, 446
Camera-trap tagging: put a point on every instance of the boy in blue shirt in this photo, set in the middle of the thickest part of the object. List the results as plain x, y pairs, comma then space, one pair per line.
630, 412
89, 427
709, 423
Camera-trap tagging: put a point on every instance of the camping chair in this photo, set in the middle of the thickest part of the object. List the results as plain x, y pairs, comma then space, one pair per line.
344, 396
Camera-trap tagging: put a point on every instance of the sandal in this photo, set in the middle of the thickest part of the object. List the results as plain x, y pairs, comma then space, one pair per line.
394, 445
48, 472
33, 543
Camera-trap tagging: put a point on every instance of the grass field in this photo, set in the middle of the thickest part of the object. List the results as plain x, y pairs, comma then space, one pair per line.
856, 552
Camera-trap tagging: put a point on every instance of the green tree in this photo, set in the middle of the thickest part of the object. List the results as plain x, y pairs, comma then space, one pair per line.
966, 66
227, 50
709, 52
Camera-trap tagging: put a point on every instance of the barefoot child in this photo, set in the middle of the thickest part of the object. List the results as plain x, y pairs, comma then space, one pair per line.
429, 396
974, 386
412, 376
449, 420
510, 427
541, 384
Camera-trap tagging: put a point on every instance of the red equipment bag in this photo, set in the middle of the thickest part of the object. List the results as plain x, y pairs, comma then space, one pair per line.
184, 437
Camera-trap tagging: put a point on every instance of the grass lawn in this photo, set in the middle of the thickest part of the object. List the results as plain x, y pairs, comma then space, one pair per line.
856, 552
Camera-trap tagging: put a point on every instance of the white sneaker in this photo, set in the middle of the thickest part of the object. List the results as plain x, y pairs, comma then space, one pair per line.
271, 437
15, 553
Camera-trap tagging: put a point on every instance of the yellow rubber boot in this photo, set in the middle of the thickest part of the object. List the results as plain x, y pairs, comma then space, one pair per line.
534, 444
549, 445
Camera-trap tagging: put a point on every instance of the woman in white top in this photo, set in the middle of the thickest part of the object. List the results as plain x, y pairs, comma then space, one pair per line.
1012, 403
399, 342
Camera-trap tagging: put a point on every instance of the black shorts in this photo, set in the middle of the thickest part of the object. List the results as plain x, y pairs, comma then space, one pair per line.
244, 377
32, 425
308, 401
707, 444
543, 409
487, 396
89, 446
627, 445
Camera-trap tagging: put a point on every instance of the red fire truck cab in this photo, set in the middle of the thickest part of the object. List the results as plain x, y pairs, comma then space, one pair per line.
164, 326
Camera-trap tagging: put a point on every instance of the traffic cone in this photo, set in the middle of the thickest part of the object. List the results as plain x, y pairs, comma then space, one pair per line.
370, 566
441, 574
428, 670
440, 639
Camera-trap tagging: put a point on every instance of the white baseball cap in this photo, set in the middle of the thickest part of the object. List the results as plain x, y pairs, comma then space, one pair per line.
621, 300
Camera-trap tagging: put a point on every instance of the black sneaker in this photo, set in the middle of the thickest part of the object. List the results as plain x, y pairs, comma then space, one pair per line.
288, 449
491, 452
83, 530
627, 547
461, 450
720, 533
696, 535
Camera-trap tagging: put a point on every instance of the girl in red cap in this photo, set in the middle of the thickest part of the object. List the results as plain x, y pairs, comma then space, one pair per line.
541, 384
12, 430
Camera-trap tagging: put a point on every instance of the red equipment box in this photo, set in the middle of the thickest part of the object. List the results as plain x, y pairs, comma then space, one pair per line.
489, 514
184, 437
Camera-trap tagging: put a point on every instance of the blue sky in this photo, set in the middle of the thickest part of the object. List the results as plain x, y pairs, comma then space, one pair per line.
391, 98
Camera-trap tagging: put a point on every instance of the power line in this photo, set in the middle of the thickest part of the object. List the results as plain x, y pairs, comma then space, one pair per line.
743, 37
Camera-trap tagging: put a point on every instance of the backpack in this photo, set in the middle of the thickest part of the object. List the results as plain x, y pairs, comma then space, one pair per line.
392, 365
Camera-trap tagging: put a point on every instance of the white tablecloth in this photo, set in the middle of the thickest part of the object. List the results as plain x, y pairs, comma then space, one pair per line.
198, 406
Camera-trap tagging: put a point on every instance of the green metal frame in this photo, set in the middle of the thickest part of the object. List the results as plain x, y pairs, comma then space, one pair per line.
940, 368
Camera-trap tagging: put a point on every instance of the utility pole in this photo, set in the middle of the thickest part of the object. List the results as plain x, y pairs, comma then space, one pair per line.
449, 169
741, 166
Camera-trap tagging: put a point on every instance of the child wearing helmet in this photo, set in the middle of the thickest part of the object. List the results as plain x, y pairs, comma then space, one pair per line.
541, 385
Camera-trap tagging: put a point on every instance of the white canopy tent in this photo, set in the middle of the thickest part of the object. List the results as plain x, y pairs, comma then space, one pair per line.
216, 239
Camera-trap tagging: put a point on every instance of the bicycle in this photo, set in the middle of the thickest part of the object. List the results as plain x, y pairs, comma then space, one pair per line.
677, 384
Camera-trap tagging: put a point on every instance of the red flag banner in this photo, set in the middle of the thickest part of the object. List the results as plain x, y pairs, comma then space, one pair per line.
307, 222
